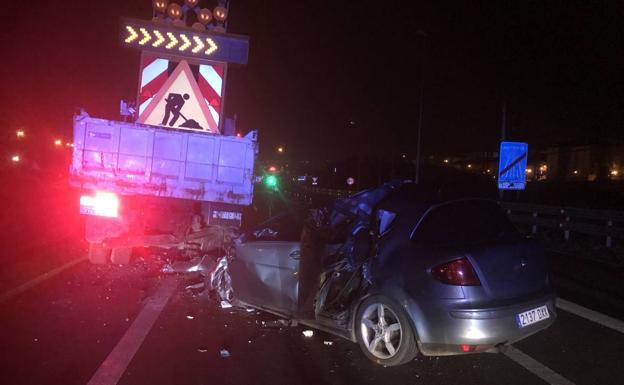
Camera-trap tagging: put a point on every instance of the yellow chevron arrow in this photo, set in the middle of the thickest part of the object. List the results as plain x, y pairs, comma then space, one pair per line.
173, 41
160, 39
200, 44
212, 46
146, 36
187, 42
132, 34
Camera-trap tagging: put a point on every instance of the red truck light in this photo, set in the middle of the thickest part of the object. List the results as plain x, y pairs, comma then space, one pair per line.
102, 204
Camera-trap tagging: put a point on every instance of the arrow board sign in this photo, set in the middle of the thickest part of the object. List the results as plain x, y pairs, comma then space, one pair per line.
179, 104
512, 165
184, 43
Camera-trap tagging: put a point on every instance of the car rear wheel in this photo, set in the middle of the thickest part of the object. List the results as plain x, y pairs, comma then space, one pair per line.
384, 332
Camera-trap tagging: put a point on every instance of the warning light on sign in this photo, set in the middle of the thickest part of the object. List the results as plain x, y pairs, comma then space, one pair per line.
186, 44
159, 39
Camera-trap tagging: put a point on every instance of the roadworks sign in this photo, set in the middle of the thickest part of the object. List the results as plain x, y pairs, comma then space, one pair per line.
179, 103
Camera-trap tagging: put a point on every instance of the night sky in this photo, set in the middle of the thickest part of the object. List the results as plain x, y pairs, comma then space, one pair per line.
317, 66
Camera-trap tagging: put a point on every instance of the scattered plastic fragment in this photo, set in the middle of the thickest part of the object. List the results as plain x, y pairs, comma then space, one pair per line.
225, 305
328, 343
202, 349
279, 323
190, 317
224, 353
308, 333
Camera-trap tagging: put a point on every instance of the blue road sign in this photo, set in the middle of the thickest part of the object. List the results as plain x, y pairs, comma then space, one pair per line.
512, 161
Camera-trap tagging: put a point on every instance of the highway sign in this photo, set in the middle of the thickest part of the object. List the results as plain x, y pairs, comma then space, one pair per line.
184, 43
512, 165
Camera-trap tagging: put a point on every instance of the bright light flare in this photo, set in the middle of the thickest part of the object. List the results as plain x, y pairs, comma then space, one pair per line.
20, 133
103, 204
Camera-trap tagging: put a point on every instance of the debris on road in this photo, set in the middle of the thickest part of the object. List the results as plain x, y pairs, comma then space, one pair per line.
308, 333
328, 343
278, 323
225, 305
224, 353
202, 349
190, 317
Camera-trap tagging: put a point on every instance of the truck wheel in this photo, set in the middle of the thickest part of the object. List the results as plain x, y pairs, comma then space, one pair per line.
384, 332
98, 253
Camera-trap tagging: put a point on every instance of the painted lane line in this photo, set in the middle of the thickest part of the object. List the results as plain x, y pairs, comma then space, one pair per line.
591, 315
114, 366
37, 280
535, 367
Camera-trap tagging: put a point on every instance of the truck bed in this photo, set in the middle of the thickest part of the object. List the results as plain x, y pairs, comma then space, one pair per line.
136, 159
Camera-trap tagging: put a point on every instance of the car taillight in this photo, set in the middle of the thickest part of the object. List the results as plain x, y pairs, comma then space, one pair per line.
457, 272
103, 204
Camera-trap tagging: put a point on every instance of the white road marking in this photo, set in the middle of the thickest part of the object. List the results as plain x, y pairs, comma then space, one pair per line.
536, 367
114, 366
591, 315
37, 280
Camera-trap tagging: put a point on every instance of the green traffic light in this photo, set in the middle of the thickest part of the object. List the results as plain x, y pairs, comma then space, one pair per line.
270, 181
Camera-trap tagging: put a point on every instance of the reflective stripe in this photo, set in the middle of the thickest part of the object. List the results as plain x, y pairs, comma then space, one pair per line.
212, 77
152, 70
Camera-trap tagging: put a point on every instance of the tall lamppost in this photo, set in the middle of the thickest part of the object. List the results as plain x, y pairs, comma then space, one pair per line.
424, 37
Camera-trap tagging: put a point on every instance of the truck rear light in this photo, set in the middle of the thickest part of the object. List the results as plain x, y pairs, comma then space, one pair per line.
457, 272
103, 204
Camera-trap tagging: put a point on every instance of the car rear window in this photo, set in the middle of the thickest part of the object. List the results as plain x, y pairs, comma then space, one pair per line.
464, 223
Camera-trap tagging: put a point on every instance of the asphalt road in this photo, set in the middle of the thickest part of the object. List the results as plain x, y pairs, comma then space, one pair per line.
64, 321
133, 325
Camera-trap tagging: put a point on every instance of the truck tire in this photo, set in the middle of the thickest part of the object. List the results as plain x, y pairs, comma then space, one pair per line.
99, 254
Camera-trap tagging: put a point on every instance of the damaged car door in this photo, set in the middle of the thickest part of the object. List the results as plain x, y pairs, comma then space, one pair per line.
265, 268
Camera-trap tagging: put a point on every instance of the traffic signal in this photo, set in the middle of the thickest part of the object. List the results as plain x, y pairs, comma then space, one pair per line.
271, 182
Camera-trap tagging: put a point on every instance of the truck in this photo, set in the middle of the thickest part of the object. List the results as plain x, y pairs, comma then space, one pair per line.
140, 182
172, 168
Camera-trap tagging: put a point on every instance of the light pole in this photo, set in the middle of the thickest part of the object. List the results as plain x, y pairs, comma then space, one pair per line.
424, 37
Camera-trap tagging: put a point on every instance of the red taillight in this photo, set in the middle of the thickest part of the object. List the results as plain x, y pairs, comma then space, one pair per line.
457, 272
103, 204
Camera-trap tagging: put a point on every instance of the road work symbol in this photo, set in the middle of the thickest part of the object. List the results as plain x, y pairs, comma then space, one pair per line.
174, 103
179, 97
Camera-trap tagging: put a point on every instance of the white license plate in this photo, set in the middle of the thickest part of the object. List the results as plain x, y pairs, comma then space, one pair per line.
532, 316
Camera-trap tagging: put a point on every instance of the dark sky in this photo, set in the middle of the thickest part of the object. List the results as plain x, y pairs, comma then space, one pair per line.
317, 65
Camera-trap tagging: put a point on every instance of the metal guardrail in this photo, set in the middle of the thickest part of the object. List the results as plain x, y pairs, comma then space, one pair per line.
608, 224
601, 223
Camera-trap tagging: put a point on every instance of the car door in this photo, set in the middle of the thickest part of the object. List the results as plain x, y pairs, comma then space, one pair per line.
264, 271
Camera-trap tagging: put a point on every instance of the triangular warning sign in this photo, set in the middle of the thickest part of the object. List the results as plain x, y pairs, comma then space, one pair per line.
179, 103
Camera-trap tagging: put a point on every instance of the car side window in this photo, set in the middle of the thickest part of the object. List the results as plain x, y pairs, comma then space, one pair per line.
464, 223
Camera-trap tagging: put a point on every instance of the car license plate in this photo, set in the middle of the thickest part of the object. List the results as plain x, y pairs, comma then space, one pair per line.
532, 316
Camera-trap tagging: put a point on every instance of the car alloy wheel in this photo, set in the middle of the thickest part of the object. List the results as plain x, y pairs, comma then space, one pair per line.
381, 331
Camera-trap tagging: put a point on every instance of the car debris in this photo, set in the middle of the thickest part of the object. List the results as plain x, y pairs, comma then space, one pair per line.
202, 349
224, 353
308, 333
328, 343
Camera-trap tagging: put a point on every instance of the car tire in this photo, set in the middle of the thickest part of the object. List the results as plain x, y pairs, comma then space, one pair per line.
98, 253
392, 334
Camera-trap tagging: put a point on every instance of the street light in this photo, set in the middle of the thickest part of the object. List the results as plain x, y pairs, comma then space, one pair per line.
424, 36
